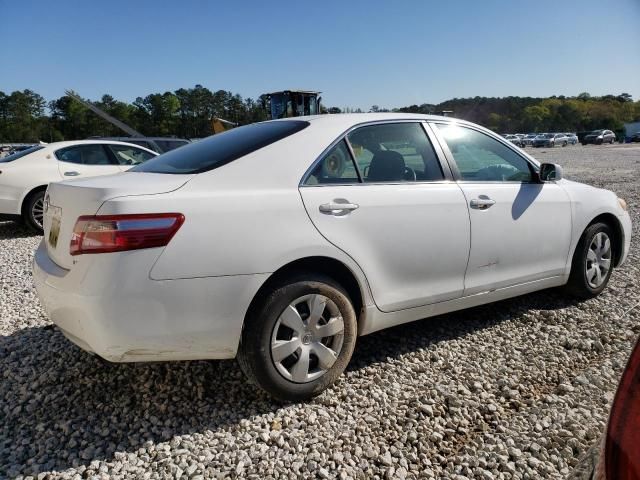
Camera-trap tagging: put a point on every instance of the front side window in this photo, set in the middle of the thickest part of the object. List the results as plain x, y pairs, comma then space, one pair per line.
92, 154
395, 152
221, 148
336, 167
126, 155
482, 158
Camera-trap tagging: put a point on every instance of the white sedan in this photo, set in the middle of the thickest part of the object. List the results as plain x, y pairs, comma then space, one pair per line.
281, 242
24, 176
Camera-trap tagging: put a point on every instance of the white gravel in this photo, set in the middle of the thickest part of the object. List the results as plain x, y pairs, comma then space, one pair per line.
518, 389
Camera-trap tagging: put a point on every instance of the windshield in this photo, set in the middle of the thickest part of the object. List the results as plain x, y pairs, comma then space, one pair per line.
221, 148
17, 155
548, 135
597, 132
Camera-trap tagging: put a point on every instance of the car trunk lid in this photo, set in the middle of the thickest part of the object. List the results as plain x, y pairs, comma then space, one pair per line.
66, 201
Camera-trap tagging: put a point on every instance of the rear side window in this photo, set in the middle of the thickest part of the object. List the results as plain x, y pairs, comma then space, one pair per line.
395, 152
222, 148
92, 154
336, 167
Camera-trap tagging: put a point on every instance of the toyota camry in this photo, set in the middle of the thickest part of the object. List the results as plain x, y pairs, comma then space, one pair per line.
281, 242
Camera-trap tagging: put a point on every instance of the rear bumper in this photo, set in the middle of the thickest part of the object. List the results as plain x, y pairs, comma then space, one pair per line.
108, 305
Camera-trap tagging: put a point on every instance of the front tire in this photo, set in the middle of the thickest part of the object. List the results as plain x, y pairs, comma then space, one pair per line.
299, 338
592, 262
33, 211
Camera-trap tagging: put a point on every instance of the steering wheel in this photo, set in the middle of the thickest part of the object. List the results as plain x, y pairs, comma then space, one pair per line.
409, 174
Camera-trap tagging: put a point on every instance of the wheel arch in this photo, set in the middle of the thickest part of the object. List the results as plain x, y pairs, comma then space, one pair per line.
618, 242
328, 266
28, 195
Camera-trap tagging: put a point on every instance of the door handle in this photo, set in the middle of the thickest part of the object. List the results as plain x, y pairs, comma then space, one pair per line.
71, 174
338, 207
481, 203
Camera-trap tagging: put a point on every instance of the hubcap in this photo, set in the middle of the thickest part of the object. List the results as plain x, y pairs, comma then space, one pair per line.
37, 212
598, 261
307, 338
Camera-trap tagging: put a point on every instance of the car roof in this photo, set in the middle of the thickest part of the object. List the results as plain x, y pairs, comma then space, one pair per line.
124, 139
70, 143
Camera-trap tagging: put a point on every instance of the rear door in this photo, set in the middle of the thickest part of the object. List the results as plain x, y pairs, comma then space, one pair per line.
86, 160
395, 211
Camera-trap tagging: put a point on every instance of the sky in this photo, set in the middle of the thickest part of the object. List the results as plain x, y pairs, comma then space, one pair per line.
358, 53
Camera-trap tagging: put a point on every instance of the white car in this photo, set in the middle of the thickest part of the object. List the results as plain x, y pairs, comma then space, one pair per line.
24, 176
281, 242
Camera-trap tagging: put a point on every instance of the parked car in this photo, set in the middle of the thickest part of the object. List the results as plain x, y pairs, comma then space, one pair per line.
550, 140
598, 137
544, 140
24, 176
157, 144
635, 137
572, 138
617, 454
517, 141
528, 138
280, 242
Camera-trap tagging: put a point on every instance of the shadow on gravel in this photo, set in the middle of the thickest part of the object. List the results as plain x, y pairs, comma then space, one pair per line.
11, 229
62, 407
422, 334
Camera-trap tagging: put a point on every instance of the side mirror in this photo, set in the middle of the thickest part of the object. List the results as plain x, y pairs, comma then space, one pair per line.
550, 172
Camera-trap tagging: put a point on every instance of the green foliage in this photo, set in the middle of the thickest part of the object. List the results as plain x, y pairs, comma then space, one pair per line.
184, 113
26, 117
528, 114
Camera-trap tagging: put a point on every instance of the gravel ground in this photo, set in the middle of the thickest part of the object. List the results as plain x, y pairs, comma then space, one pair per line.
518, 389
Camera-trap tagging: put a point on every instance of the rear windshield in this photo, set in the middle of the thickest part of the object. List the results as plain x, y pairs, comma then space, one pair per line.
221, 148
21, 153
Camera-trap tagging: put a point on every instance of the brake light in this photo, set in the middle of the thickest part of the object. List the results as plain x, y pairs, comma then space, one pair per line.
117, 233
622, 447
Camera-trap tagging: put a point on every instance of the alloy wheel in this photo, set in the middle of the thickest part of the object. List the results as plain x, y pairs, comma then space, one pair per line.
307, 338
598, 262
37, 212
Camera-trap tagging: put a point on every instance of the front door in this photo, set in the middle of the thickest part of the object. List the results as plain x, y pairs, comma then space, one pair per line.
394, 213
520, 229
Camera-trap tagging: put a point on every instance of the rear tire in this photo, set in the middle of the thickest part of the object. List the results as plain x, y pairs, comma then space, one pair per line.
283, 349
33, 211
592, 262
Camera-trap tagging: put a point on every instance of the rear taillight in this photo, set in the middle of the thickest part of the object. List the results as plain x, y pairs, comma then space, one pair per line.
622, 447
117, 233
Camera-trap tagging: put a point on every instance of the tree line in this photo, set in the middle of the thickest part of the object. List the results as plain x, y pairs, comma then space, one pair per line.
25, 116
528, 114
